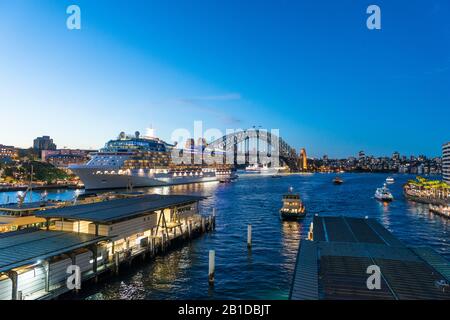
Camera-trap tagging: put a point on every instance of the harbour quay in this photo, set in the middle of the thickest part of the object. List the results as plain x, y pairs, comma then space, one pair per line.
96, 238
348, 258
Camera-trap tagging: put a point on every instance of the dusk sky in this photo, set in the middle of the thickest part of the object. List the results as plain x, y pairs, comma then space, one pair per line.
311, 69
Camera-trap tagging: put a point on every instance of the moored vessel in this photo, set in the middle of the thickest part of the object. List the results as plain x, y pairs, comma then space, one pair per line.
293, 207
146, 162
264, 169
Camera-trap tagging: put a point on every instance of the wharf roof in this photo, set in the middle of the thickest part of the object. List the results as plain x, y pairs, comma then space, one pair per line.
18, 249
119, 209
334, 265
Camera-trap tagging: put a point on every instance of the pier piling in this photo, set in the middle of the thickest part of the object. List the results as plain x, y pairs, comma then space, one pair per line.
249, 236
116, 262
212, 255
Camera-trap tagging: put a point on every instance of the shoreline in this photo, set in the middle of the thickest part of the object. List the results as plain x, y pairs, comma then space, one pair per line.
46, 187
423, 200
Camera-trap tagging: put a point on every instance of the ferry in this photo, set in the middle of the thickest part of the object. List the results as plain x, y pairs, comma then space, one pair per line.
383, 194
21, 215
144, 162
390, 180
338, 180
293, 207
264, 169
253, 168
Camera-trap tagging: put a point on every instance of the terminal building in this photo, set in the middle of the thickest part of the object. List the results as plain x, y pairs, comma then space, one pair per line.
446, 162
96, 237
333, 264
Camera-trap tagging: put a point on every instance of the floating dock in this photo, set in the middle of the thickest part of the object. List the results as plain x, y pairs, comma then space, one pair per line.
333, 264
97, 238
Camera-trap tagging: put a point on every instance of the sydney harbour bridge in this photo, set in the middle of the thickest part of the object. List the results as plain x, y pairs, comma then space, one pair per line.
254, 146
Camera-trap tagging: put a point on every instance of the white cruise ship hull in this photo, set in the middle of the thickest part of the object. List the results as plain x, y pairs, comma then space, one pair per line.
93, 179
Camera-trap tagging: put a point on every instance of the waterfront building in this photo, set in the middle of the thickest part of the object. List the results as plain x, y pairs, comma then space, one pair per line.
64, 157
446, 162
334, 264
43, 143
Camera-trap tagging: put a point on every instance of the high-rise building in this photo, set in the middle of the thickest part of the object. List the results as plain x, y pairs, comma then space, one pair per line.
43, 143
396, 156
446, 162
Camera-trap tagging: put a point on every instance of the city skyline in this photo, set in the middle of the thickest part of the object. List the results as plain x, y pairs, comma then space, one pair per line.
233, 65
310, 156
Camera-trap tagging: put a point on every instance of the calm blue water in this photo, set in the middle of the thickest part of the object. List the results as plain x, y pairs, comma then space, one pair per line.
266, 272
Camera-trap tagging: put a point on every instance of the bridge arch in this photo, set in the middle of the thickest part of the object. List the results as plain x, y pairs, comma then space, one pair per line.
276, 146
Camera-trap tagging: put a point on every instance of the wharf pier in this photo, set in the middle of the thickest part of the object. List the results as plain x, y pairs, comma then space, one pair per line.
97, 238
341, 254
427, 199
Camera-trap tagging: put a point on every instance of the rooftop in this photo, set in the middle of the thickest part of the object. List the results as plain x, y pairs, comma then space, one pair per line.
114, 210
334, 265
28, 247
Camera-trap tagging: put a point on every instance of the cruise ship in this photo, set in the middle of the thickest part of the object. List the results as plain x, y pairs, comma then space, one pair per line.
135, 161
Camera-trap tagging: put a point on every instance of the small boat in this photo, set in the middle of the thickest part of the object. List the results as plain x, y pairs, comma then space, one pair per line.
390, 180
275, 176
383, 194
338, 180
293, 207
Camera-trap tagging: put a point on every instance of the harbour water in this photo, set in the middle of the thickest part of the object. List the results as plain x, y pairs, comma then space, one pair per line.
266, 271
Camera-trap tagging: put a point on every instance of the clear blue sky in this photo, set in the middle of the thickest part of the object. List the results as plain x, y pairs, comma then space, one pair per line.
310, 68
